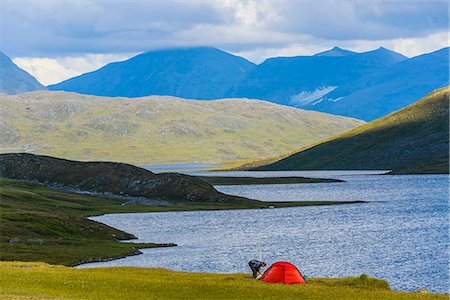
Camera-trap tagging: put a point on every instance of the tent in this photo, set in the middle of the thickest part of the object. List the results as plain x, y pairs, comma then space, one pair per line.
283, 272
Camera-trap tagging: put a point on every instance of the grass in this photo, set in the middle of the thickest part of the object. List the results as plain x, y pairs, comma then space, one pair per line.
158, 129
42, 224
41, 281
38, 223
411, 140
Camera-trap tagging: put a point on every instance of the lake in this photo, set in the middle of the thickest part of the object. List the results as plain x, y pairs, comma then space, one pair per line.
401, 235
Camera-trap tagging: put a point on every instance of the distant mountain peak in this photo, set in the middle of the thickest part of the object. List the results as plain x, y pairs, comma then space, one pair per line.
385, 51
183, 49
190, 50
335, 51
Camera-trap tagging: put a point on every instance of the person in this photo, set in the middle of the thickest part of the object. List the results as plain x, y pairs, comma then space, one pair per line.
256, 267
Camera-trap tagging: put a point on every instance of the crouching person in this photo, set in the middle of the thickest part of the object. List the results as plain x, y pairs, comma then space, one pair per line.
256, 267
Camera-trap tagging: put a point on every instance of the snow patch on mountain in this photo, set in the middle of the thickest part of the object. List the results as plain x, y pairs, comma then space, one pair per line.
307, 97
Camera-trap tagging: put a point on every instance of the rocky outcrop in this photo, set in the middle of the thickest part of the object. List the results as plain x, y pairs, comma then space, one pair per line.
109, 178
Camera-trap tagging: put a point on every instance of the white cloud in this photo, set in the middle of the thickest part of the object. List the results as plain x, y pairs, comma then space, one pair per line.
45, 70
53, 70
415, 46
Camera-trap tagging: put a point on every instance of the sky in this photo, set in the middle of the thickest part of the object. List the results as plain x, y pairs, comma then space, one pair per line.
55, 40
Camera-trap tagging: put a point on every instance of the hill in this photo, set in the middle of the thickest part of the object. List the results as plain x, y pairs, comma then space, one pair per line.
414, 139
194, 73
110, 178
14, 80
392, 88
158, 129
301, 80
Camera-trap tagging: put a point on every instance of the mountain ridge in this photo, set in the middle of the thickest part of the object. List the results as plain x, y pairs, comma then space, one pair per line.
282, 79
335, 51
392, 88
180, 72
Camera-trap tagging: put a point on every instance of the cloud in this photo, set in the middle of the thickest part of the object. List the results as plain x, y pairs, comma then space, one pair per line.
53, 70
415, 46
45, 70
55, 40
369, 20
58, 28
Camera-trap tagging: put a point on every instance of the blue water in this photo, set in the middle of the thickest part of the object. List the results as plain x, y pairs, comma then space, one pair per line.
400, 235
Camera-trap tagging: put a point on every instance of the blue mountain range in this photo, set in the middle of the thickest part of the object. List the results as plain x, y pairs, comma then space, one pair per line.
194, 73
364, 85
388, 89
298, 81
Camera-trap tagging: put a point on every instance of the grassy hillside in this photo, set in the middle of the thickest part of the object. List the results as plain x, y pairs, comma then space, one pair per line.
41, 281
158, 129
42, 224
412, 140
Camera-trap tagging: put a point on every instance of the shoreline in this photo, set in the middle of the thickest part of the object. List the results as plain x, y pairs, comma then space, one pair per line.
163, 245
80, 239
134, 253
230, 180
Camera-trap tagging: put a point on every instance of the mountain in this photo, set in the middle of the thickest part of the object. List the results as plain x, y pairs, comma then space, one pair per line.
414, 139
158, 129
336, 51
194, 73
365, 85
387, 90
109, 178
14, 80
301, 80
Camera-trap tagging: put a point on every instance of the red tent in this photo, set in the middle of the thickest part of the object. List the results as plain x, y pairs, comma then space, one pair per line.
283, 272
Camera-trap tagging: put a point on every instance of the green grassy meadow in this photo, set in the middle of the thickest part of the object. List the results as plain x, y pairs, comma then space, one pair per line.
41, 281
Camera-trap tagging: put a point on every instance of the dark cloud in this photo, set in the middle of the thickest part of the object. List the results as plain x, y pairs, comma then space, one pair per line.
57, 28
368, 20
